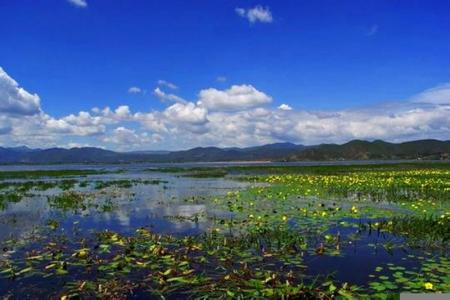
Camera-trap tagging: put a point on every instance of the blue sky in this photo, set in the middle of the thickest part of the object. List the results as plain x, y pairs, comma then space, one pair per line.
315, 57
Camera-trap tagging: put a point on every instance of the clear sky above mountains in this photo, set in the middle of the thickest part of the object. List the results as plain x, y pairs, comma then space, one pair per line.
130, 75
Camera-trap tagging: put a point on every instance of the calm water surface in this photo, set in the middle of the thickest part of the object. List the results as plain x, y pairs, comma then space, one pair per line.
150, 205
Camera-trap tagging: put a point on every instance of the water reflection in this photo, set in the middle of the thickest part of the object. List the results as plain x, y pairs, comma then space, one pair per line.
172, 206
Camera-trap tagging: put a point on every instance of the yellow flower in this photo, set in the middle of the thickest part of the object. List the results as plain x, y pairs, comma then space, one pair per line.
428, 286
284, 218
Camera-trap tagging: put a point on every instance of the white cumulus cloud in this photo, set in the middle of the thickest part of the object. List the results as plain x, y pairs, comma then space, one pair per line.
436, 95
186, 113
238, 116
168, 84
235, 98
124, 136
16, 100
134, 90
255, 14
284, 107
167, 97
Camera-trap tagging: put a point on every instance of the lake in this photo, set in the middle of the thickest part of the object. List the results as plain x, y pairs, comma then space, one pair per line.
353, 227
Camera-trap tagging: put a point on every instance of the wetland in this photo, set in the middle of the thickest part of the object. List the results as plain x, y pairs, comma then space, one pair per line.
225, 231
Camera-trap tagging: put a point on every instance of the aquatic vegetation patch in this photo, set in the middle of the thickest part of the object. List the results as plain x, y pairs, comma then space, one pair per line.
421, 231
209, 265
9, 197
77, 202
15, 191
393, 186
326, 169
124, 183
37, 185
195, 172
68, 201
48, 173
207, 173
433, 276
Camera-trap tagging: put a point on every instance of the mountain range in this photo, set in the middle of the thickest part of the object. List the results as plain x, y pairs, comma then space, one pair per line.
353, 150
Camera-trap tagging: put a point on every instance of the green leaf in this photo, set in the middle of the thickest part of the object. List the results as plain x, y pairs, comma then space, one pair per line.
24, 271
179, 279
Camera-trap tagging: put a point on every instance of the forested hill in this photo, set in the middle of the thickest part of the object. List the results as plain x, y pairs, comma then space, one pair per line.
353, 150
